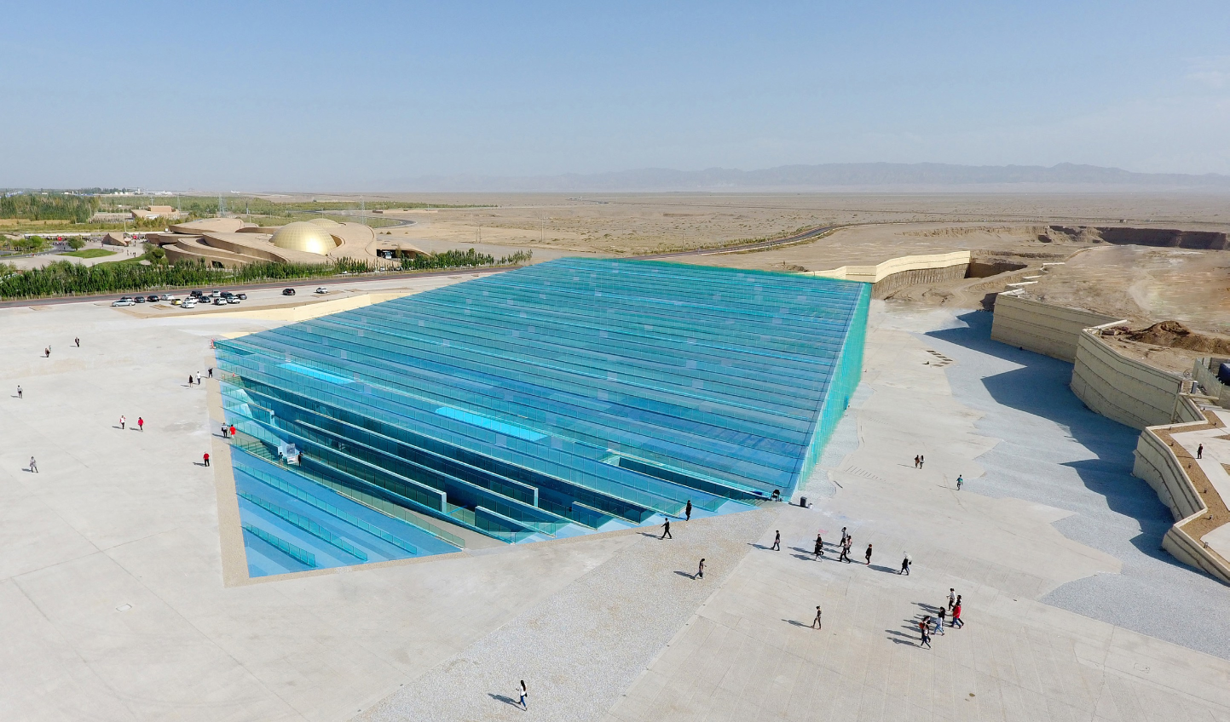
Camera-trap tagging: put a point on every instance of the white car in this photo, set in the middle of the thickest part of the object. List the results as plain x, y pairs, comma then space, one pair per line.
188, 303
321, 290
125, 301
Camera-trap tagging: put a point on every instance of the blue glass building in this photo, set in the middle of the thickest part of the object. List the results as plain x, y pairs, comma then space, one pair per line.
559, 399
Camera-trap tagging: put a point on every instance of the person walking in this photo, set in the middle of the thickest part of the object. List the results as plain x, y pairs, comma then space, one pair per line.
224, 431
845, 551
19, 391
818, 552
47, 352
960, 481
666, 531
957, 622
952, 598
815, 623
868, 555
523, 696
189, 379
77, 341
921, 459
687, 511
844, 536
939, 621
211, 372
232, 431
33, 466
1200, 451
198, 378
922, 629
905, 566
206, 457
777, 541
700, 570
140, 424
916, 461
123, 422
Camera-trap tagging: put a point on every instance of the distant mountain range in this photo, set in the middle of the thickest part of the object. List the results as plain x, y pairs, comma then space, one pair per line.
829, 176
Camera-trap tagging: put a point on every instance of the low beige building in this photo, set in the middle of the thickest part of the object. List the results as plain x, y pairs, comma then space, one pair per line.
230, 242
149, 214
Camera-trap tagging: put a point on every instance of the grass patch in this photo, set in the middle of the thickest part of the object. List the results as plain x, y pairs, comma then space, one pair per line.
89, 253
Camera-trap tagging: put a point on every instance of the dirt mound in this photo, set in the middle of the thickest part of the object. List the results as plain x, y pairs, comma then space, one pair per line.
1173, 334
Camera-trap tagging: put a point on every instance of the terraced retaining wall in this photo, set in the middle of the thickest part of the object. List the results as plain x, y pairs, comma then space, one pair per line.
1182, 485
1124, 389
1042, 327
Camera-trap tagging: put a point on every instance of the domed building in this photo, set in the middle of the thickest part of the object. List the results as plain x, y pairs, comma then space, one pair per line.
230, 242
306, 236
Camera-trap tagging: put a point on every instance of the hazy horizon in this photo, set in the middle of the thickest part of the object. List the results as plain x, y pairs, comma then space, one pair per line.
299, 97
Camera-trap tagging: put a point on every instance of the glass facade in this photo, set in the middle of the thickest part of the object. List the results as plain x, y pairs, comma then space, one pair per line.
559, 399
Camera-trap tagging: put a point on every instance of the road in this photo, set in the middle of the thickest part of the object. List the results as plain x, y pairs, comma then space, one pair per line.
341, 280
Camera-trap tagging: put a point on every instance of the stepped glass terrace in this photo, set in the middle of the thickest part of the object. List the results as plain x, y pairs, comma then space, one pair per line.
565, 398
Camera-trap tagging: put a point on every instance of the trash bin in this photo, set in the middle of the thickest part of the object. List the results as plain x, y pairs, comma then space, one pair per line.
803, 501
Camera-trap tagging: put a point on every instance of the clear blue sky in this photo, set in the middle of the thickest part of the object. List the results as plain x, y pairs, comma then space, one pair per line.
338, 96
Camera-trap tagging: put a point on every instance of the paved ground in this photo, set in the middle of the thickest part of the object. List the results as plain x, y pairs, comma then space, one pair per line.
1057, 452
113, 604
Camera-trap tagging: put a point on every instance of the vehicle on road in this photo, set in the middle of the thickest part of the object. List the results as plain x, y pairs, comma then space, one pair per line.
125, 301
241, 296
288, 291
321, 290
215, 293
153, 298
190, 303
178, 302
219, 301
232, 299
139, 299
195, 294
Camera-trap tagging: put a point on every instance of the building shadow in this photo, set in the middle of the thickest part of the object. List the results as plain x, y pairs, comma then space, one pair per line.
1040, 386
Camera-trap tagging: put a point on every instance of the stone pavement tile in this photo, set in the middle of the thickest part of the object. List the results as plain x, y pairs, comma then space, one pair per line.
781, 688
40, 663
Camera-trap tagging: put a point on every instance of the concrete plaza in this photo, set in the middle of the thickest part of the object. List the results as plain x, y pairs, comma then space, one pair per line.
114, 604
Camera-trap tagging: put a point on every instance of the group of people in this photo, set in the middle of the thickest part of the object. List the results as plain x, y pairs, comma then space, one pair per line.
666, 534
196, 378
124, 423
929, 625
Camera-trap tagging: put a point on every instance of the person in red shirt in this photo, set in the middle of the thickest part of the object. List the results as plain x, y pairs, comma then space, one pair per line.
206, 459
956, 616
232, 431
141, 423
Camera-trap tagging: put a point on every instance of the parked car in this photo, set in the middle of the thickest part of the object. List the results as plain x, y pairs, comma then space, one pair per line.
288, 291
168, 297
322, 289
215, 293
232, 299
219, 301
139, 299
190, 303
241, 296
153, 298
179, 302
125, 301
195, 294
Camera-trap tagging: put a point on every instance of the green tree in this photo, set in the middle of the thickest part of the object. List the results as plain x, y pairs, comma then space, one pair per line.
76, 243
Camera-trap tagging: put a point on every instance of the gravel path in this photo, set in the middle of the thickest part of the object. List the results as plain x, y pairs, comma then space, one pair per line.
582, 648
1057, 452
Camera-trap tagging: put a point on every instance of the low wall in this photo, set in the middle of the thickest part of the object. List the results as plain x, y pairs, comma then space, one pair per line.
1042, 327
1123, 389
916, 276
1182, 485
882, 271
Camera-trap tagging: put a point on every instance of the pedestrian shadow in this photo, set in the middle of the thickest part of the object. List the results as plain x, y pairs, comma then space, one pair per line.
505, 700
686, 574
896, 634
804, 557
881, 568
117, 426
199, 463
801, 550
758, 546
654, 536
798, 623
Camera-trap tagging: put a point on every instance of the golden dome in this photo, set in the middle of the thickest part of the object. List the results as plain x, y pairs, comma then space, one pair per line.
304, 236
324, 222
